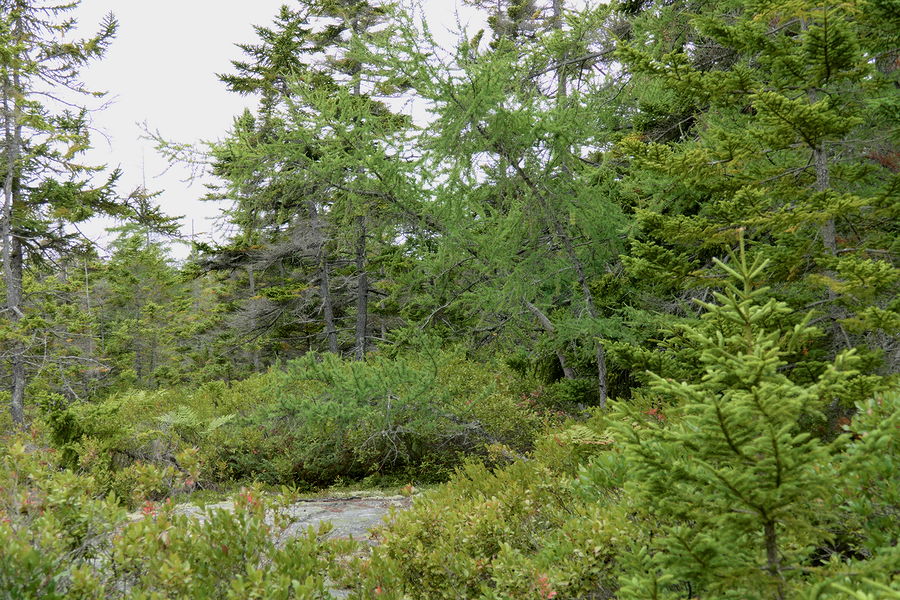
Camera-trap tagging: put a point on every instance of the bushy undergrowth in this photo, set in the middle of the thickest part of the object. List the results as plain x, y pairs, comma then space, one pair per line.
527, 530
541, 529
309, 422
332, 418
709, 488
720, 486
62, 538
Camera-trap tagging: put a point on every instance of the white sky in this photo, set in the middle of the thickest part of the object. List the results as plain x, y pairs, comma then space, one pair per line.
161, 69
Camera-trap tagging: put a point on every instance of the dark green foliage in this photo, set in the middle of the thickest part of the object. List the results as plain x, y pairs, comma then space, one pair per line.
765, 117
47, 188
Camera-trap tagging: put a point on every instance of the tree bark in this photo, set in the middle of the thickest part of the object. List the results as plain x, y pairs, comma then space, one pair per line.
568, 372
254, 352
773, 561
565, 154
12, 247
324, 284
827, 230
362, 290
823, 182
599, 354
362, 280
569, 247
561, 86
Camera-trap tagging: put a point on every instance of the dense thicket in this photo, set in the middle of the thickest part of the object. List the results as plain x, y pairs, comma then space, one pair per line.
625, 273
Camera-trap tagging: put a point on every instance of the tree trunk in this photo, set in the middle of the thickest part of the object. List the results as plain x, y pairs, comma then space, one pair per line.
566, 241
823, 182
324, 284
564, 157
362, 280
254, 352
19, 377
773, 561
600, 354
362, 290
827, 230
840, 339
568, 372
561, 87
12, 248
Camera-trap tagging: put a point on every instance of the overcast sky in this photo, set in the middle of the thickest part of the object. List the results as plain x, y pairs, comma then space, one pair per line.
162, 69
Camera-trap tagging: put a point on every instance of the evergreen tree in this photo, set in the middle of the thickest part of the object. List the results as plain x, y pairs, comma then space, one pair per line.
738, 492
525, 219
303, 176
43, 182
776, 118
60, 304
142, 304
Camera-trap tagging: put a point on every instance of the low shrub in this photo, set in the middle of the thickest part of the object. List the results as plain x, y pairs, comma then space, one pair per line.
61, 538
308, 423
329, 418
517, 532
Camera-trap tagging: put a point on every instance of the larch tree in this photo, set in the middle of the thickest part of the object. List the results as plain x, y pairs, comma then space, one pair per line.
527, 219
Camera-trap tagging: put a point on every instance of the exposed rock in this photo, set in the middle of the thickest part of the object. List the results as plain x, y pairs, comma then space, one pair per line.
350, 517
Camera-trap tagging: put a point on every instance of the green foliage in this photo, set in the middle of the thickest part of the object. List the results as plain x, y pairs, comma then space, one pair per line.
225, 555
867, 493
519, 532
142, 444
332, 418
740, 490
60, 538
568, 205
753, 116
708, 487
306, 423
51, 521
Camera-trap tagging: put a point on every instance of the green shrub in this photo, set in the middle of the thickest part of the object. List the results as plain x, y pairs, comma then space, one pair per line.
307, 423
329, 418
529, 529
863, 551
61, 538
227, 555
49, 520
516, 532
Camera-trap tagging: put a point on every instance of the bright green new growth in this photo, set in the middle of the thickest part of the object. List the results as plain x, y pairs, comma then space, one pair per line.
736, 484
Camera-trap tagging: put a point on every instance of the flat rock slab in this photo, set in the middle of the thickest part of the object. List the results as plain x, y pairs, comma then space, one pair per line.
351, 517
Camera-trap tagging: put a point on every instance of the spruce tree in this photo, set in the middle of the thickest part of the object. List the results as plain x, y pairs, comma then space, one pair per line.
776, 117
310, 174
738, 494
142, 303
44, 184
